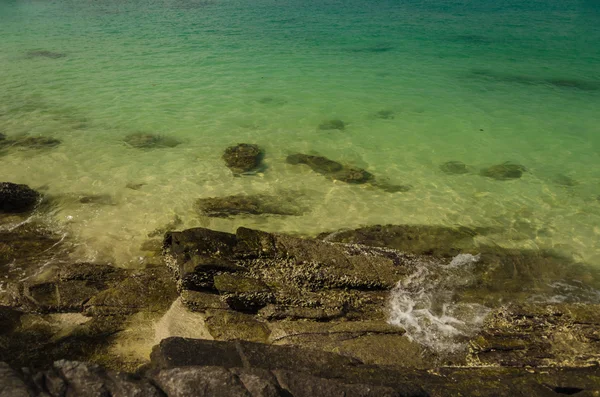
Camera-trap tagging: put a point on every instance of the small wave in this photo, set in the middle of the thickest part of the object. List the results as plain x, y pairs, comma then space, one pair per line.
423, 305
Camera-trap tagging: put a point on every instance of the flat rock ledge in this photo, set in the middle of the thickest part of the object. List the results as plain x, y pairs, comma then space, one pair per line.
193, 367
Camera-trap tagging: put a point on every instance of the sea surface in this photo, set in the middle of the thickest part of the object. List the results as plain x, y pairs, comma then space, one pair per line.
417, 84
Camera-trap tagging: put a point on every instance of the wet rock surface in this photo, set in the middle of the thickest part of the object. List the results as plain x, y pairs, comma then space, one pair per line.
15, 198
243, 157
259, 204
188, 367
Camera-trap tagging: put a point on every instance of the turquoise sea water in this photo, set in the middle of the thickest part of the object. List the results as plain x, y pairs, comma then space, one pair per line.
480, 82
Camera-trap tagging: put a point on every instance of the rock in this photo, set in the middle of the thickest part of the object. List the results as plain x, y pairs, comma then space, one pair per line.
11, 384
389, 187
36, 142
173, 225
244, 294
331, 169
101, 199
539, 335
385, 114
303, 385
185, 245
564, 180
231, 325
135, 186
454, 168
504, 171
269, 100
149, 290
242, 157
69, 287
150, 141
334, 124
202, 301
416, 239
222, 207
9, 318
17, 198
200, 381
45, 54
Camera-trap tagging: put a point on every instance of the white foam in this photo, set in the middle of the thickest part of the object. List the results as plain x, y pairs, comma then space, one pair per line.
423, 305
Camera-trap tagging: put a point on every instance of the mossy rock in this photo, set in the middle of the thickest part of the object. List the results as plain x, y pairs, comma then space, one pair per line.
222, 207
149, 290
504, 171
45, 54
230, 325
36, 142
243, 157
334, 124
331, 169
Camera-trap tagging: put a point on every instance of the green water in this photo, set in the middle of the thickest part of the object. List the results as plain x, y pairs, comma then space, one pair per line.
468, 81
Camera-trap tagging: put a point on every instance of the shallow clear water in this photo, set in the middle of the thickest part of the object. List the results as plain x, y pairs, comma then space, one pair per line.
477, 82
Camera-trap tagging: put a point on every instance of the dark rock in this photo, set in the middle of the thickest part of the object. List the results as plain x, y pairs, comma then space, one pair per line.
149, 290
334, 124
11, 384
385, 114
198, 273
9, 318
565, 180
45, 54
260, 383
269, 100
303, 385
150, 141
85, 379
232, 325
182, 246
197, 381
17, 198
417, 239
331, 169
242, 157
245, 294
69, 287
373, 50
202, 301
222, 207
2, 137
454, 168
545, 335
504, 171
254, 243
36, 142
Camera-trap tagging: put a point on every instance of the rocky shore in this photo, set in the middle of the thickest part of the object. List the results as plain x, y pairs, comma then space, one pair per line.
253, 313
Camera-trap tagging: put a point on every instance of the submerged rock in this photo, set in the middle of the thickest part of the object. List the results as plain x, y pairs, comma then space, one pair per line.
242, 157
36, 142
16, 198
45, 54
222, 207
417, 239
101, 199
504, 171
150, 141
385, 114
135, 186
454, 168
335, 124
331, 169
565, 180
